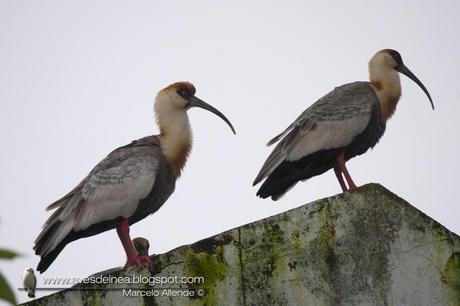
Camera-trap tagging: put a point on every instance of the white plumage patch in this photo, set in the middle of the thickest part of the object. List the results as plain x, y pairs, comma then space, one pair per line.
326, 135
115, 192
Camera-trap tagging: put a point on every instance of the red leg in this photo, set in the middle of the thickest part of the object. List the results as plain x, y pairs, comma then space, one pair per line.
131, 253
343, 169
338, 173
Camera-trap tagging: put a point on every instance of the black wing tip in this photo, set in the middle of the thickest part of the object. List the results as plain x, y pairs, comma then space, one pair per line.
43, 265
274, 197
263, 191
49, 258
261, 194
273, 189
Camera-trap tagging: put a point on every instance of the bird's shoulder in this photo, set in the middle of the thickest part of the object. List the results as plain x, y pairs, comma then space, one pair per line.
140, 158
333, 121
142, 149
357, 99
352, 100
343, 102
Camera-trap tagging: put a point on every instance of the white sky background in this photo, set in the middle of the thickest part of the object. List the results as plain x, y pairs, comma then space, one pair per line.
78, 80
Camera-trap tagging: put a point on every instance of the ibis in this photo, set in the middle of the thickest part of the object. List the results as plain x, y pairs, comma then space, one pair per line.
341, 125
132, 182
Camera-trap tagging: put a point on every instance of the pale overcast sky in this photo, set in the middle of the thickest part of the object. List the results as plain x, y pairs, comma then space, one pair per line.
78, 79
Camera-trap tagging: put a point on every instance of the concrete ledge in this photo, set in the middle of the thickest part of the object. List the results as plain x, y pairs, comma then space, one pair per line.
365, 247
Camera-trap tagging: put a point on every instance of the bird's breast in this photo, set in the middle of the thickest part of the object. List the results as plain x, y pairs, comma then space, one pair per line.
176, 149
164, 186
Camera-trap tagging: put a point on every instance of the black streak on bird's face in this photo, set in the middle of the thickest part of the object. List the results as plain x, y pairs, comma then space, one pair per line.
186, 91
396, 56
177, 95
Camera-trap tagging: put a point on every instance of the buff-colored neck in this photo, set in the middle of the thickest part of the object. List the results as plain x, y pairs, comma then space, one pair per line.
387, 85
175, 135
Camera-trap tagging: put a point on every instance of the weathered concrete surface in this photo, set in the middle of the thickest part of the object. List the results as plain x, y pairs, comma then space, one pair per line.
365, 247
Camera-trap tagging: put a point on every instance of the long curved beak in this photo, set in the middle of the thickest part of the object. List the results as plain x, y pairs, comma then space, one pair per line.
196, 102
404, 70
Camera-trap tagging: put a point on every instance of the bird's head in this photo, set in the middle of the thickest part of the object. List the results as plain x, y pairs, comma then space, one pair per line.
142, 246
386, 63
386, 58
30, 270
180, 97
176, 96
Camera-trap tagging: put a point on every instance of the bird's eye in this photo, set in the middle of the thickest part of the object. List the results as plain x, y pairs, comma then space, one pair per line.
397, 57
184, 93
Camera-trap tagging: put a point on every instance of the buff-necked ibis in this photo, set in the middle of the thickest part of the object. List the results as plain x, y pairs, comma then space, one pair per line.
341, 125
129, 184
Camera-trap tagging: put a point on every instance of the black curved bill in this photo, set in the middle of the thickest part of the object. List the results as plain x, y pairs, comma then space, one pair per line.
404, 70
194, 101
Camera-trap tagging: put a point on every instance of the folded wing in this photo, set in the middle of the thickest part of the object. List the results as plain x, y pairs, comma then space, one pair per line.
111, 190
331, 122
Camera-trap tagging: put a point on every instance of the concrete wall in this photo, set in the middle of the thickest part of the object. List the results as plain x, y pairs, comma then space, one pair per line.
365, 247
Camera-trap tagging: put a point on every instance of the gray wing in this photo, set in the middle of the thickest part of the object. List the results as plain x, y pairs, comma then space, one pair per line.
112, 189
331, 122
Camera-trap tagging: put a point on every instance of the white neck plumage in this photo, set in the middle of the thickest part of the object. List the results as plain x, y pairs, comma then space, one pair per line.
176, 135
387, 85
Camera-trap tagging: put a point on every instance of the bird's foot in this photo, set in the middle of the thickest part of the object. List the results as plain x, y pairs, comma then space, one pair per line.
138, 260
351, 185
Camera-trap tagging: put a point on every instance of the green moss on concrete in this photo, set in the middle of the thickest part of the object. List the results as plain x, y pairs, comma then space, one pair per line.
277, 249
452, 277
264, 247
364, 247
373, 229
273, 247
149, 301
212, 267
297, 242
322, 254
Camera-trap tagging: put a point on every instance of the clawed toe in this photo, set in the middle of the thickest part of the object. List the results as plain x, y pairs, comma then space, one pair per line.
138, 260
